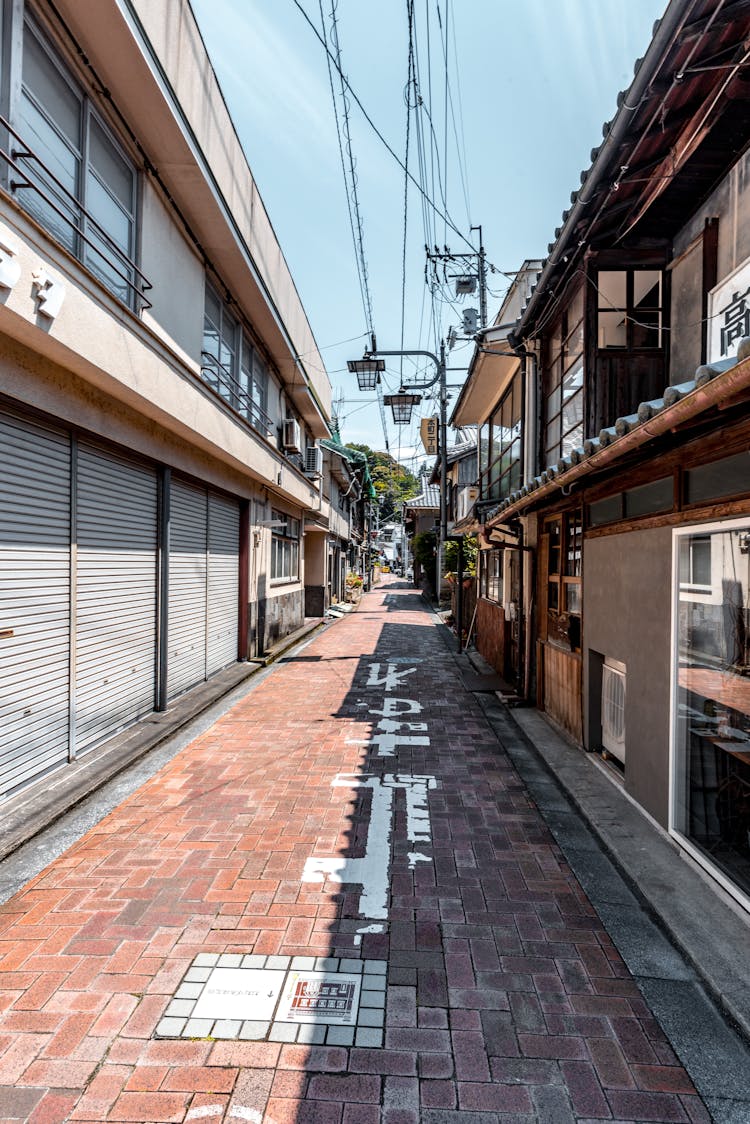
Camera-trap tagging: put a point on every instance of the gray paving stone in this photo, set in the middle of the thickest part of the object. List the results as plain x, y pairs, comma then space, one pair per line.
340, 1036
199, 975
727, 1112
278, 962
714, 1056
227, 1028
252, 1030
350, 965
170, 1027
283, 1032
552, 1105
180, 1007
368, 1036
645, 949
376, 967
600, 878
188, 991
372, 999
369, 1016
326, 963
197, 1028
253, 960
303, 963
313, 1033
230, 960
373, 983
206, 960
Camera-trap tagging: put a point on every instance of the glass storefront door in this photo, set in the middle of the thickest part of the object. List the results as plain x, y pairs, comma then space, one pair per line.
711, 749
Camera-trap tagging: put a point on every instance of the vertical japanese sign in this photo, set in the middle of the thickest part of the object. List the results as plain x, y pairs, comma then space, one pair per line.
429, 430
729, 313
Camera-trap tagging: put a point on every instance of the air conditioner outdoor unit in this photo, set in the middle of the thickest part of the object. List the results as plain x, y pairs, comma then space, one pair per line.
313, 461
613, 709
291, 435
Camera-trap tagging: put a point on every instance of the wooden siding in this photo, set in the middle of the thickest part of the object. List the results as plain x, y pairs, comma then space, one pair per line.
491, 634
562, 689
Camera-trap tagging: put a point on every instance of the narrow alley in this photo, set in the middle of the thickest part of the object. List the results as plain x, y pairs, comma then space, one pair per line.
337, 904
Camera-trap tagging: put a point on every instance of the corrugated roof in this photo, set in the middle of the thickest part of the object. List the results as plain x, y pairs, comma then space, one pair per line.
570, 466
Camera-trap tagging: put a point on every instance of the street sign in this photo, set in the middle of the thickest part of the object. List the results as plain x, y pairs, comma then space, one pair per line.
429, 432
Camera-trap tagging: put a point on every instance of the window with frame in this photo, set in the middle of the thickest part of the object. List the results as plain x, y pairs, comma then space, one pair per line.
78, 182
564, 571
630, 309
563, 383
491, 575
284, 547
500, 459
230, 363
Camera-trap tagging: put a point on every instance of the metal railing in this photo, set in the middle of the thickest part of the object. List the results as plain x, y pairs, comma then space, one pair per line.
115, 259
216, 375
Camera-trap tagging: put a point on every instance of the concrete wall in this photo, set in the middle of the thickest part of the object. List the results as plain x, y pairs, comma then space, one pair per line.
730, 203
626, 614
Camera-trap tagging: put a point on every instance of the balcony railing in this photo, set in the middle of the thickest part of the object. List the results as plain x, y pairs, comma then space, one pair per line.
115, 262
216, 375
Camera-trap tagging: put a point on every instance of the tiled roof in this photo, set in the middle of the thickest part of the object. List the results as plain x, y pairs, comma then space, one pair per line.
430, 498
571, 466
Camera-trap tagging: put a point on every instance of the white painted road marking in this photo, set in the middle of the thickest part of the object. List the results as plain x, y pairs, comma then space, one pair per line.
372, 872
392, 677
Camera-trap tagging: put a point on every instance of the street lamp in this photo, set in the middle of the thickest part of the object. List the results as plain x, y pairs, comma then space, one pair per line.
367, 370
406, 392
401, 404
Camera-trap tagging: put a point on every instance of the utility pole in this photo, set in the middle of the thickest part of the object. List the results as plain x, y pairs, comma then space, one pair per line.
469, 261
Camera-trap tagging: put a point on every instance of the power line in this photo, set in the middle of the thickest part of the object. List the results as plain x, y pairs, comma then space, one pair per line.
446, 218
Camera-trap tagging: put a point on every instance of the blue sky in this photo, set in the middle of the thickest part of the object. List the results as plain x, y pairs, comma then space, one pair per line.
531, 83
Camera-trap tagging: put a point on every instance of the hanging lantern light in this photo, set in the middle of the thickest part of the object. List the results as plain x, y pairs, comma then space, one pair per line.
367, 370
402, 404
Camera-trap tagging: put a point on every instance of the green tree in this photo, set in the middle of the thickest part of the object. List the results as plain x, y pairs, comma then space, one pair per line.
392, 482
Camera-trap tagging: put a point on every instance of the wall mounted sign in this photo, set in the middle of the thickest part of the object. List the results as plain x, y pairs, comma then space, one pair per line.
729, 313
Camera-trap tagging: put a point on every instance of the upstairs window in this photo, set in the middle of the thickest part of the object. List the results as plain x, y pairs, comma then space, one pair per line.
78, 183
501, 473
563, 384
284, 547
630, 309
232, 365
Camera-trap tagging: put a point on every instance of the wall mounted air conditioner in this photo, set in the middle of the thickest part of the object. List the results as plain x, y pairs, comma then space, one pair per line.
613, 709
313, 461
291, 436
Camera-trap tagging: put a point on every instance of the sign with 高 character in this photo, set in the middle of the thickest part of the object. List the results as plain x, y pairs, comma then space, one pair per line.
729, 313
320, 997
429, 431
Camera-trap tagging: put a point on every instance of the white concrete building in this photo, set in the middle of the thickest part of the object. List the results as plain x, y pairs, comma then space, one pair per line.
161, 392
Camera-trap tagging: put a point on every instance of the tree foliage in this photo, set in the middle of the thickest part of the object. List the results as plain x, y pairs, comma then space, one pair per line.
392, 482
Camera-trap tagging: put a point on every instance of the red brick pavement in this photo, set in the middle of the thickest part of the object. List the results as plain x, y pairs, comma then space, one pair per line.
506, 999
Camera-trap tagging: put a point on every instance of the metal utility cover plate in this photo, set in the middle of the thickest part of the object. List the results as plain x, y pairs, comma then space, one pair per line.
239, 993
320, 997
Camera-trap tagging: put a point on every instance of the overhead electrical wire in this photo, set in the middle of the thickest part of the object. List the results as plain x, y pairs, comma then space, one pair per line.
350, 184
446, 218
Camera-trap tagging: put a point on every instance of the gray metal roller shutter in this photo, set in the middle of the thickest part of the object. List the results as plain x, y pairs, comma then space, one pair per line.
34, 599
223, 581
116, 585
187, 587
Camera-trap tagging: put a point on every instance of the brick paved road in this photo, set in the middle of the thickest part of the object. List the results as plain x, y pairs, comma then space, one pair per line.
506, 1001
